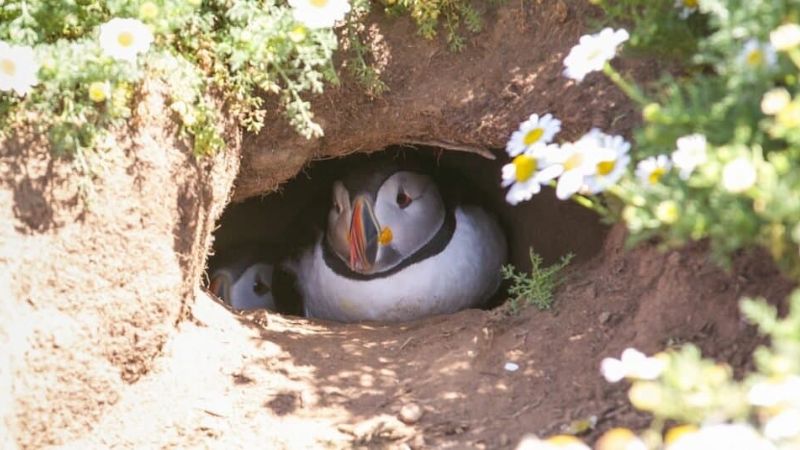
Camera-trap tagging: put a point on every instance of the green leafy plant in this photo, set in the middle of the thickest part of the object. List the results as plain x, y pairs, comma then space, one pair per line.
657, 27
359, 52
537, 287
454, 15
241, 50
717, 158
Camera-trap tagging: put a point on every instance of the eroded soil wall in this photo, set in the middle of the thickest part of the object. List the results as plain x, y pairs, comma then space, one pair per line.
468, 100
95, 276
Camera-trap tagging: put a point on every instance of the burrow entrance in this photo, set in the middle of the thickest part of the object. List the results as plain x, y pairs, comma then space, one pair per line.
346, 385
275, 227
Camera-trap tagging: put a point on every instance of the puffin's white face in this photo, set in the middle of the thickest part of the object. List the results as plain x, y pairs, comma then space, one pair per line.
374, 232
251, 290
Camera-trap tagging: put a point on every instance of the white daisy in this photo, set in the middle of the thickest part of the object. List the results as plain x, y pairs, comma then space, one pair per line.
592, 52
784, 425
535, 130
651, 170
691, 153
610, 157
775, 100
575, 161
756, 54
557, 442
124, 39
785, 37
687, 7
18, 68
633, 364
739, 175
528, 172
319, 13
737, 436
775, 392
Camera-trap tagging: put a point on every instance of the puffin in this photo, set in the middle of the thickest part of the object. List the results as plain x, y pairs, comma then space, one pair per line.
243, 279
397, 247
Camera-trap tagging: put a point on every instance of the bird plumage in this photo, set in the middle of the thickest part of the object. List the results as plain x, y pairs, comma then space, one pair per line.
243, 279
462, 275
439, 256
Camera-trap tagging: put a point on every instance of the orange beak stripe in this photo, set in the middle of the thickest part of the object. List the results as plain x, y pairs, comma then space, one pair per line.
357, 244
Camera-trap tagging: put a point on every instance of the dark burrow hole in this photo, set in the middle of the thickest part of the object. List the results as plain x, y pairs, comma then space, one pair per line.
271, 228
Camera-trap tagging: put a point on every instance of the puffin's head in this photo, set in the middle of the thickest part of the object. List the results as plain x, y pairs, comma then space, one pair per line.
376, 222
250, 288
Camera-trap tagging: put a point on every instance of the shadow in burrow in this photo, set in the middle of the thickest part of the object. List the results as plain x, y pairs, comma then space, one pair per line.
453, 366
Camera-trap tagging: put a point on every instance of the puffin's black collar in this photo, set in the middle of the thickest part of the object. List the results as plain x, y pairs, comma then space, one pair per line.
435, 246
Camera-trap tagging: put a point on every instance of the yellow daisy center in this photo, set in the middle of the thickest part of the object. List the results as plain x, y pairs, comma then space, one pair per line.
533, 136
755, 57
656, 175
676, 433
125, 39
563, 439
573, 161
606, 167
645, 395
595, 52
148, 10
7, 67
667, 212
524, 166
298, 33
318, 3
690, 3
789, 116
616, 438
97, 91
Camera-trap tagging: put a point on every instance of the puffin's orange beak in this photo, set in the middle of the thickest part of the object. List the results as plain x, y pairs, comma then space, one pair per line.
364, 236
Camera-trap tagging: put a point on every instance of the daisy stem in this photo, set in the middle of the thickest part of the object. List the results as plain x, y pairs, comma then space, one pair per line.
629, 89
794, 55
595, 206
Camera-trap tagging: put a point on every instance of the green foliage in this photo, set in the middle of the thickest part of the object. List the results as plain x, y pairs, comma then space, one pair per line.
720, 97
238, 48
264, 48
695, 391
537, 287
690, 389
783, 355
360, 53
741, 97
455, 15
657, 26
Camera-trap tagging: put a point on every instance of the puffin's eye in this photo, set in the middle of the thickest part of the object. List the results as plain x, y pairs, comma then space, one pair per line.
260, 288
403, 200
338, 207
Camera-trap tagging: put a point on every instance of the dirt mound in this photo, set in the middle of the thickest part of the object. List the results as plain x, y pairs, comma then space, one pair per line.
291, 383
464, 101
94, 286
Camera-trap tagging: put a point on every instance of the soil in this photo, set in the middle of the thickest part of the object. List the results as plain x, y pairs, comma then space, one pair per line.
97, 270
468, 101
269, 381
106, 339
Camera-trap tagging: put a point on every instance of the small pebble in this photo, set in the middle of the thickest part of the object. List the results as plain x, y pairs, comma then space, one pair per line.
504, 440
410, 413
604, 317
511, 367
